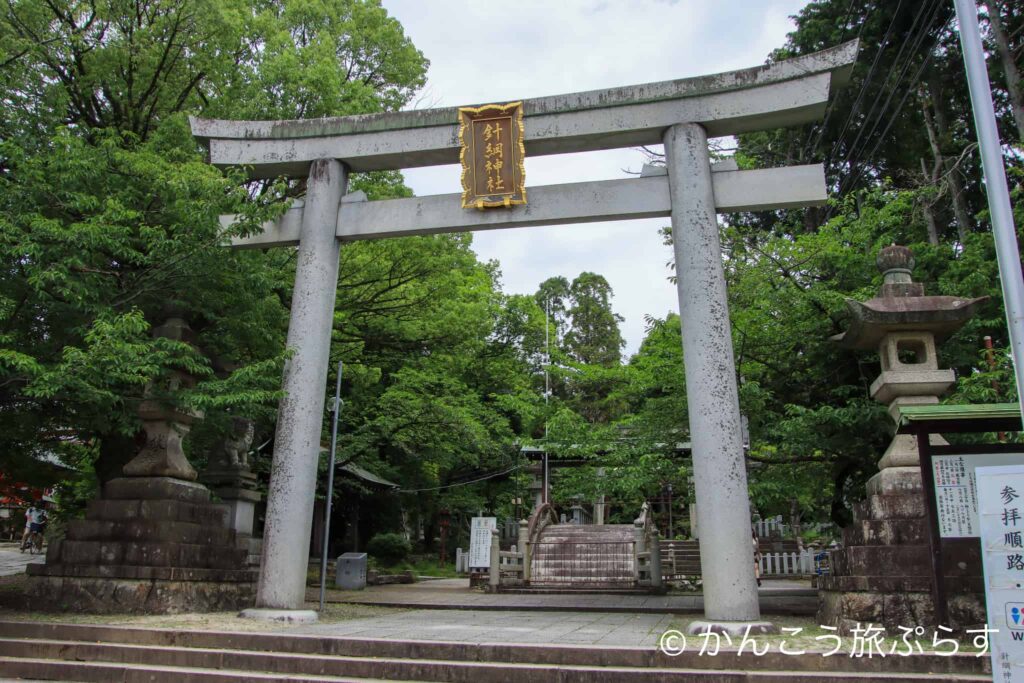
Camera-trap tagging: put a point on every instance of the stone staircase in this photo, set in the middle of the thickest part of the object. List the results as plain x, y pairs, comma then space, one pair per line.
584, 556
73, 652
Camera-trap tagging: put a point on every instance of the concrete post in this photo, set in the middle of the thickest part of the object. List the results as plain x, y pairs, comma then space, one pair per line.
494, 579
655, 560
524, 546
727, 561
289, 517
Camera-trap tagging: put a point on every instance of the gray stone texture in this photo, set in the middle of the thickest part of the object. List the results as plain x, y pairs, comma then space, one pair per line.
150, 545
289, 517
720, 475
783, 93
562, 204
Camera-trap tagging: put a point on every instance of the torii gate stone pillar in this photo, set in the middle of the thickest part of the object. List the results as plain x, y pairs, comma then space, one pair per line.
682, 114
726, 553
289, 516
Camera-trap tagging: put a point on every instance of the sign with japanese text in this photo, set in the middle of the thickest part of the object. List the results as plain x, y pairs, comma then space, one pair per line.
493, 155
1001, 513
956, 496
480, 541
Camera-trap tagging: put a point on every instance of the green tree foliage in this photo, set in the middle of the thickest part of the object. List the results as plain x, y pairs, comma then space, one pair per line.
897, 144
108, 213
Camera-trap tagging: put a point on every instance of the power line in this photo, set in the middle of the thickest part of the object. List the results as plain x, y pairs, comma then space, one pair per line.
916, 41
812, 143
854, 160
892, 119
867, 81
463, 483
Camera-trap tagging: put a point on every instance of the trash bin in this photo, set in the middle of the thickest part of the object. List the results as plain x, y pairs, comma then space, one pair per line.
350, 571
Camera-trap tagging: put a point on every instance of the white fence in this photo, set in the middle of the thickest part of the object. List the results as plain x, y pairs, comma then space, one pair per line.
787, 564
772, 526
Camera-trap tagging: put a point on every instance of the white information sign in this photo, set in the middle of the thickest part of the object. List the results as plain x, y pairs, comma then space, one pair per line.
956, 492
480, 541
1001, 503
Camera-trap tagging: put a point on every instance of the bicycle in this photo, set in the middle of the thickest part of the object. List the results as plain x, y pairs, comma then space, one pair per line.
34, 543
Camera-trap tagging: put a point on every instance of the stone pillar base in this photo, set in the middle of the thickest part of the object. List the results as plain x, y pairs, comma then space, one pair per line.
150, 544
733, 629
883, 574
141, 596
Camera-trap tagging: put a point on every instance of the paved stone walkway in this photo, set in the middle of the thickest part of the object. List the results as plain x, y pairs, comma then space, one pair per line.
562, 628
13, 561
777, 597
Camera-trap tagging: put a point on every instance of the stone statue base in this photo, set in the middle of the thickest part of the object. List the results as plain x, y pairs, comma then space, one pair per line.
148, 545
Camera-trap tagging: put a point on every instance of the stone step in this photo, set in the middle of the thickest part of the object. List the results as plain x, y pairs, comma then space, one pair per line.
159, 510
124, 571
154, 530
153, 554
959, 559
886, 532
104, 662
890, 506
554, 589
325, 656
899, 584
105, 672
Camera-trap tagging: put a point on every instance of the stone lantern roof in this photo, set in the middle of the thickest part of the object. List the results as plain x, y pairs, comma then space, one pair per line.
903, 306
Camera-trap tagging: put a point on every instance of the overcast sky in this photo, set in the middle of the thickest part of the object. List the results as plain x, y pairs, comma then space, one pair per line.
488, 51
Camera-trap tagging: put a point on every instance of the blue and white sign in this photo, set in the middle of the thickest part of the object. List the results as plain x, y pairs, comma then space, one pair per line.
1001, 513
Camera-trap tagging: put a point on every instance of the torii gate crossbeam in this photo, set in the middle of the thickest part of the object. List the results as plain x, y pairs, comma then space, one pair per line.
681, 114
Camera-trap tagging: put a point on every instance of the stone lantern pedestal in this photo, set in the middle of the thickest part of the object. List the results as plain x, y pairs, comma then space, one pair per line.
882, 574
230, 479
153, 542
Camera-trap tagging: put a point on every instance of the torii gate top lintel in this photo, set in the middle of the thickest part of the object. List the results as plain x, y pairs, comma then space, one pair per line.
780, 94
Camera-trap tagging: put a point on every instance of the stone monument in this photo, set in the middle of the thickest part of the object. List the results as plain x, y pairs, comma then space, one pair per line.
882, 574
153, 542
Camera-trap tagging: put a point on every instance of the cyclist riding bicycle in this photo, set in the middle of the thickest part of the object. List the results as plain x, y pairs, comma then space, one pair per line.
35, 523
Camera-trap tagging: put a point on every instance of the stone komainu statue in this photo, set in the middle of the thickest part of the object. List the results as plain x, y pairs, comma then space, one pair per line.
236, 445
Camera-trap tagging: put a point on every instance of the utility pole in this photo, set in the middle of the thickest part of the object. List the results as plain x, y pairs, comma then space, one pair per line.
330, 488
1003, 230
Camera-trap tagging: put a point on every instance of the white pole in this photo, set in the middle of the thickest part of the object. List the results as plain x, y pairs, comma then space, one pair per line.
330, 488
1003, 231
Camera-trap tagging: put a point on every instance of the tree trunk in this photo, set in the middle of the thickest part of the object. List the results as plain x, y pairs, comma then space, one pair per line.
929, 213
1010, 69
935, 125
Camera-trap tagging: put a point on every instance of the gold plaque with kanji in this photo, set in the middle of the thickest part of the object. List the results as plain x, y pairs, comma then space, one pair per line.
493, 155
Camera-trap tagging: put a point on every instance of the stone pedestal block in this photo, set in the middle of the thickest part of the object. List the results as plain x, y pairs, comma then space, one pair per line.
150, 544
895, 480
241, 507
883, 574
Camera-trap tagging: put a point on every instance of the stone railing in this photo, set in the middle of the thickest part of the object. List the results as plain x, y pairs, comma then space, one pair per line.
646, 549
508, 567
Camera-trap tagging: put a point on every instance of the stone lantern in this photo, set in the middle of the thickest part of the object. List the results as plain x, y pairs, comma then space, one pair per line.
152, 542
904, 326
882, 575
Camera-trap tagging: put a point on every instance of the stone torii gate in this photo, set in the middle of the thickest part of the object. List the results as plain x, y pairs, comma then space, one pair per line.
682, 114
